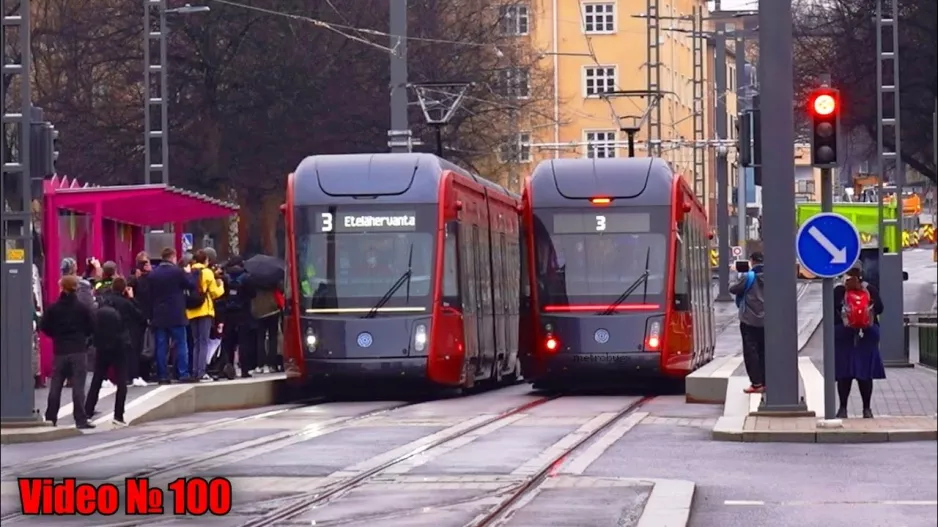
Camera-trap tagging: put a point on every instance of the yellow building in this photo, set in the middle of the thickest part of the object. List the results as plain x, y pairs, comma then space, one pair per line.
591, 46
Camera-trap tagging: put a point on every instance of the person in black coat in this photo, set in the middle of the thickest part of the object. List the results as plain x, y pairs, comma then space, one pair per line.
168, 286
115, 317
69, 323
856, 353
240, 329
139, 284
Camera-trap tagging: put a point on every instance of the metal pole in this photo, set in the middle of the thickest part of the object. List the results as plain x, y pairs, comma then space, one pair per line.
17, 388
827, 293
742, 103
146, 92
439, 140
892, 342
723, 213
400, 127
781, 311
653, 70
164, 94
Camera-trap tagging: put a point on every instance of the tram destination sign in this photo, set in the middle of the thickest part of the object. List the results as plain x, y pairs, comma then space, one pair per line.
596, 222
366, 222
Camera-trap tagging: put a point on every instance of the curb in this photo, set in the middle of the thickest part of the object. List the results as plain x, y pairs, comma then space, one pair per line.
669, 504
725, 433
176, 400
37, 434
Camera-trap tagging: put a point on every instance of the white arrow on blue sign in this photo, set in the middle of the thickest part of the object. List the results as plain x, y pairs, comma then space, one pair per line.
187, 241
828, 245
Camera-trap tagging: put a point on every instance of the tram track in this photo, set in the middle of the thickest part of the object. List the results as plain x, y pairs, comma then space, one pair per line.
187, 465
801, 291
318, 497
527, 489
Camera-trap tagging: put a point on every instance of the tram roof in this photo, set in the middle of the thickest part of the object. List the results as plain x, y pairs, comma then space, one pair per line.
416, 175
645, 180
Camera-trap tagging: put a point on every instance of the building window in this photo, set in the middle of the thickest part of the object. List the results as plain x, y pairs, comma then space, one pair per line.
804, 187
517, 149
514, 19
599, 17
731, 79
514, 82
601, 144
598, 80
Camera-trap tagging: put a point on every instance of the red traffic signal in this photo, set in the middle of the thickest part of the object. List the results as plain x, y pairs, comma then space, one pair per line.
824, 104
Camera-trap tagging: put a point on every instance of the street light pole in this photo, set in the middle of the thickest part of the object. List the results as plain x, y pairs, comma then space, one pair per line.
399, 136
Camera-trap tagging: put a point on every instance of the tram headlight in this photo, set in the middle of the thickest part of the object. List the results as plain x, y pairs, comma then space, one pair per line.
311, 340
420, 337
653, 334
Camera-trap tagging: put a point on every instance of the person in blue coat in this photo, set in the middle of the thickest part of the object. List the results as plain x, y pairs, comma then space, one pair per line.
168, 286
856, 352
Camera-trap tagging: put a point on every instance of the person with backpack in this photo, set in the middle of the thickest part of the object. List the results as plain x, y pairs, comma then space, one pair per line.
115, 316
200, 310
857, 306
239, 331
750, 299
169, 289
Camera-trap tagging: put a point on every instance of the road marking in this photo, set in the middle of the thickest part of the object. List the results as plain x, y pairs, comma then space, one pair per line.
578, 465
813, 385
533, 466
914, 503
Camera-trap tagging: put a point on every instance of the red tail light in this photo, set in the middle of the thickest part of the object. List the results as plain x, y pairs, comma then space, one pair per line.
551, 344
653, 335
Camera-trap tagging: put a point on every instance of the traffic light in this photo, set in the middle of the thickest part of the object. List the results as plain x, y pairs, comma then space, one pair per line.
53, 136
824, 107
744, 146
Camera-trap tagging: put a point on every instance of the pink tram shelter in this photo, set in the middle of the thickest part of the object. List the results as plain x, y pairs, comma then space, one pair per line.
80, 221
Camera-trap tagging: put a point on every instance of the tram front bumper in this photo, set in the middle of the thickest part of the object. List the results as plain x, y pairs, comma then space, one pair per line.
379, 368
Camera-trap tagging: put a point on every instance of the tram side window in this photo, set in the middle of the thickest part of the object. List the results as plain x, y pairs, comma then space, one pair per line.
523, 262
451, 266
467, 257
681, 277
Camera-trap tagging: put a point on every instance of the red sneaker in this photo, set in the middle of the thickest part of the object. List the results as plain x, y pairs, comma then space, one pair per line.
754, 389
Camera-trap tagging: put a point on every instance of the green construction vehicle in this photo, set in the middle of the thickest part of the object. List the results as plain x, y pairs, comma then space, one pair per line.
865, 216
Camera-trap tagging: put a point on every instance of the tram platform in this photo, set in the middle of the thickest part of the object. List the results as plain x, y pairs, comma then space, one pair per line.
904, 405
709, 384
154, 402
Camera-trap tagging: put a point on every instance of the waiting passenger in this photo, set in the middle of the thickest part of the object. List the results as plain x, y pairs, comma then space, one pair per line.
750, 300
856, 339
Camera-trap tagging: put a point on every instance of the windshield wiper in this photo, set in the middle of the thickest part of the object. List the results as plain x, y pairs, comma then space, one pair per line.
410, 266
405, 278
642, 279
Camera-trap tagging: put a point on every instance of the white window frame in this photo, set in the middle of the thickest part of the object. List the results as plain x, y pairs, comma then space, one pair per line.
594, 67
586, 6
510, 19
509, 88
522, 154
607, 145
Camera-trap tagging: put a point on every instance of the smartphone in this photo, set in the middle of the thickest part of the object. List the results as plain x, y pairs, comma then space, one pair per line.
742, 266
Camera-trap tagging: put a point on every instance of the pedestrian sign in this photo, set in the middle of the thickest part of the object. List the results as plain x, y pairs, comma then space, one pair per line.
187, 241
827, 245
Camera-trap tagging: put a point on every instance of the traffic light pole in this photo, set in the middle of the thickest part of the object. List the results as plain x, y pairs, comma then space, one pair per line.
827, 294
723, 205
781, 311
742, 103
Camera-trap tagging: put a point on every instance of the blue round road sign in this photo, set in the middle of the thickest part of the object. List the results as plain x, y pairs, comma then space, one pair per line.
828, 245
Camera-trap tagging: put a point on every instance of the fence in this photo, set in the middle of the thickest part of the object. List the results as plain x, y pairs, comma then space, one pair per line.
924, 327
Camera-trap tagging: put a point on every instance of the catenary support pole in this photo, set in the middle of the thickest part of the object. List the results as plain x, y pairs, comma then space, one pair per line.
17, 388
723, 212
399, 135
742, 103
781, 310
827, 292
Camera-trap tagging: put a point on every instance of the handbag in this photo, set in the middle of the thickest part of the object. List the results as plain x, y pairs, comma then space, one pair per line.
149, 348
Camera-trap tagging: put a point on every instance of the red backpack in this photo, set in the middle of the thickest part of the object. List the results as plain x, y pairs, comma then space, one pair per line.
858, 309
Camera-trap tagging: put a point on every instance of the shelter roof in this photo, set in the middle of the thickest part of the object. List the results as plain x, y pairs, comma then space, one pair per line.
144, 205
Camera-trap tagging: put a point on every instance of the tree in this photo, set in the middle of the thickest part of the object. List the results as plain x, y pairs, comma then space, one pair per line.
255, 88
839, 38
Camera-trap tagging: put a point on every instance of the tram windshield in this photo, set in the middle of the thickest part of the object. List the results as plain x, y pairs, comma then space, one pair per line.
349, 258
588, 258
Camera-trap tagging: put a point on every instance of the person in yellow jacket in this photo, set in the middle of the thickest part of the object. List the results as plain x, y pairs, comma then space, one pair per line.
202, 317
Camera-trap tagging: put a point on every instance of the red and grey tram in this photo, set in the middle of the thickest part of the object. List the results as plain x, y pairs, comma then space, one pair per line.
619, 272
402, 267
